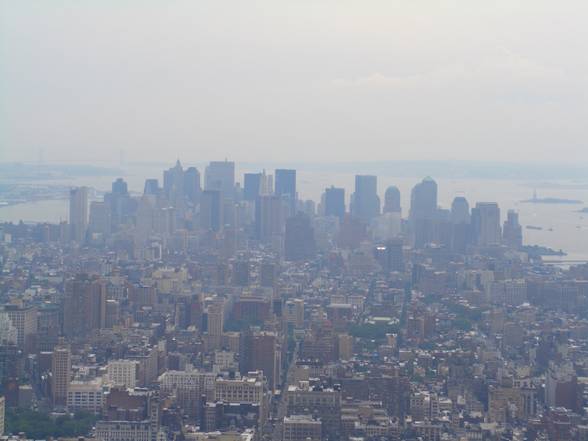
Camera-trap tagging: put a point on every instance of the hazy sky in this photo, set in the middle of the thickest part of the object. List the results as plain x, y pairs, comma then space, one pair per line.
294, 80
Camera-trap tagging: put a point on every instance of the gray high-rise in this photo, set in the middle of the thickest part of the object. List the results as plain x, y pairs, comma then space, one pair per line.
486, 224
365, 201
423, 210
334, 202
392, 200
252, 186
220, 175
78, 213
285, 187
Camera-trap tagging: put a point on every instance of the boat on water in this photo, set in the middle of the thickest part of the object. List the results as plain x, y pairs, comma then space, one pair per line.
533, 227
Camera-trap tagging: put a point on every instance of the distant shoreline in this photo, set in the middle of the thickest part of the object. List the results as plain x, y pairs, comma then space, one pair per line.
551, 201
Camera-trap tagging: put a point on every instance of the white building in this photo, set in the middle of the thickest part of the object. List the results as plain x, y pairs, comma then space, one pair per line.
123, 431
87, 396
123, 373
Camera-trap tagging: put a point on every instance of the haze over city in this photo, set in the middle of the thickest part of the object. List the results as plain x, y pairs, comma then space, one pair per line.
312, 81
293, 221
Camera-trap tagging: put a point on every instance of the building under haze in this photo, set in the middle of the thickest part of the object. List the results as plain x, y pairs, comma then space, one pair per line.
460, 210
392, 200
192, 187
486, 224
423, 212
512, 232
251, 186
84, 306
334, 202
299, 241
78, 213
365, 201
211, 210
269, 219
220, 175
285, 188
461, 235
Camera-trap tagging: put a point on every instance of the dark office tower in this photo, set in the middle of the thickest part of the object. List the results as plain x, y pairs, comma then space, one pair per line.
211, 206
84, 306
423, 199
285, 188
252, 186
241, 272
118, 202
512, 232
299, 241
261, 351
423, 209
460, 210
173, 181
335, 202
78, 213
151, 187
268, 218
60, 373
461, 235
365, 201
392, 200
220, 175
119, 187
486, 223
390, 256
192, 187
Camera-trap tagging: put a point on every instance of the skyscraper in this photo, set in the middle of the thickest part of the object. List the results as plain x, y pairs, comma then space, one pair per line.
192, 187
220, 175
365, 201
512, 232
486, 223
423, 209
60, 373
268, 218
173, 181
151, 187
260, 351
335, 202
78, 213
211, 210
100, 218
25, 320
215, 321
120, 187
252, 186
392, 200
285, 188
461, 235
84, 306
118, 203
299, 242
460, 210
423, 199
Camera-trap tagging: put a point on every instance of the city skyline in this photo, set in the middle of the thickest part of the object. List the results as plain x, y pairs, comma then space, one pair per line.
326, 220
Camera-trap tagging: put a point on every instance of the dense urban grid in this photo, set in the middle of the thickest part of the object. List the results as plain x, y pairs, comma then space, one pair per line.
227, 311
